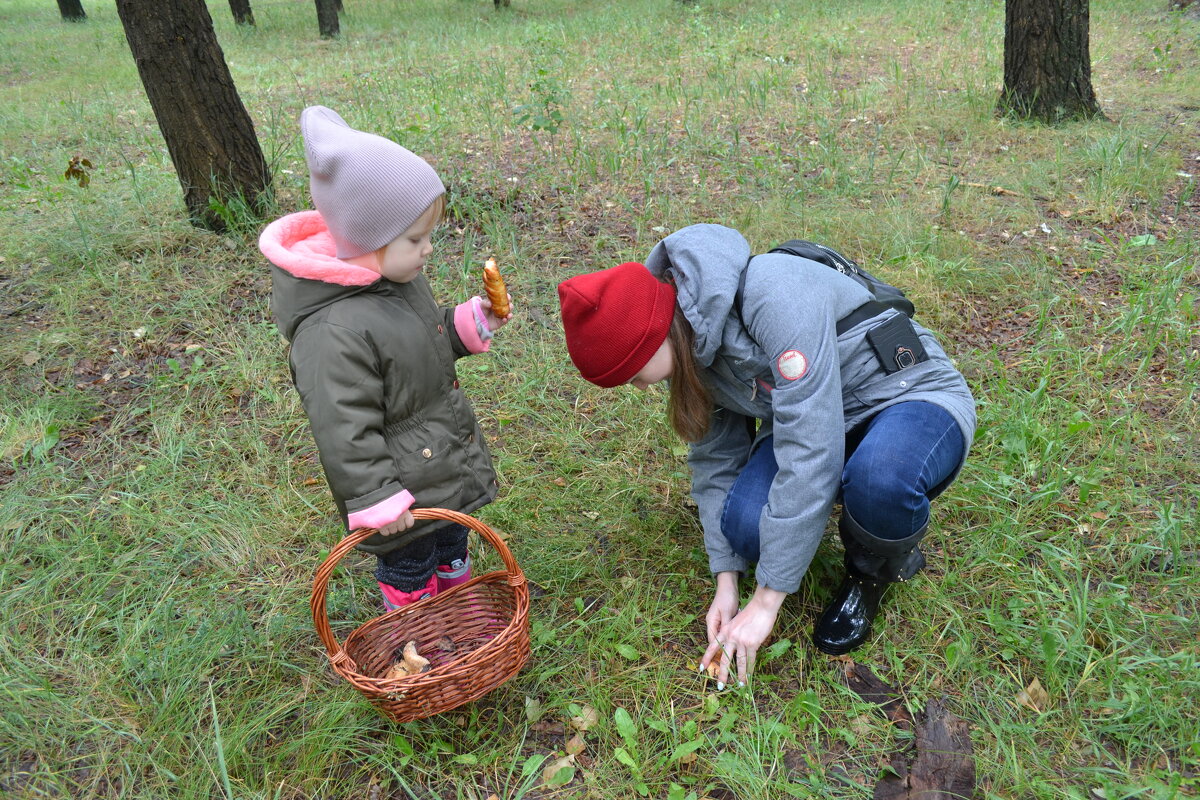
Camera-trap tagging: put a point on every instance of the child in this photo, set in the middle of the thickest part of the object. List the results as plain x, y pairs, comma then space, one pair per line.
372, 354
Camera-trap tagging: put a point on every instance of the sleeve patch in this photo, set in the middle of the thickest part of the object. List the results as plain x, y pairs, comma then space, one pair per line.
792, 365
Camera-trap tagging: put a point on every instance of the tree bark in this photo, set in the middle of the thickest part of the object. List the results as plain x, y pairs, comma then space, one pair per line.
327, 19
1047, 63
71, 10
242, 13
208, 132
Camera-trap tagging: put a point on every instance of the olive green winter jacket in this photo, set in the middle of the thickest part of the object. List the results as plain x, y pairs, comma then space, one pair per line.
374, 362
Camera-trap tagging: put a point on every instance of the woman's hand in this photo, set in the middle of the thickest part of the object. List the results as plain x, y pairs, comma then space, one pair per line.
494, 323
722, 611
401, 523
739, 640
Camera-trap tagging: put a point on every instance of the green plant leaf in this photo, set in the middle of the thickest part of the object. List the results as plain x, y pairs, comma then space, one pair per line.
532, 765
628, 651
623, 756
775, 651
686, 749
625, 726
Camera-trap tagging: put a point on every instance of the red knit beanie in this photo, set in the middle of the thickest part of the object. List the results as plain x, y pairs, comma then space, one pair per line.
615, 320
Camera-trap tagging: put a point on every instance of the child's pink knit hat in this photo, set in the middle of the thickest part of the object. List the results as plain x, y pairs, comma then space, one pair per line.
368, 189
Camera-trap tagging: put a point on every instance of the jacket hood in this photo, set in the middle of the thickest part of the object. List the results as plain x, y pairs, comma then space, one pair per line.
706, 263
308, 275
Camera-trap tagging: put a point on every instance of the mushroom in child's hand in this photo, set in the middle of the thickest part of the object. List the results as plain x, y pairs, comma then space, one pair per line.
497, 293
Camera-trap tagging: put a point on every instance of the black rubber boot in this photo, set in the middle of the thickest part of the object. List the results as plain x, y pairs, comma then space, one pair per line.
872, 564
846, 621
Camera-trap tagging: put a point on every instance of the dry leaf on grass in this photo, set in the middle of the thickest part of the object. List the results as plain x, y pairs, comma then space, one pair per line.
1034, 696
576, 745
586, 719
550, 775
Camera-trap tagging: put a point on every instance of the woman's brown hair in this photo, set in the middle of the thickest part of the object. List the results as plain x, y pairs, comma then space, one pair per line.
689, 404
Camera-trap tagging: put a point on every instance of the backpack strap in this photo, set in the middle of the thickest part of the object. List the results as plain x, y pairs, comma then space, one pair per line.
871, 308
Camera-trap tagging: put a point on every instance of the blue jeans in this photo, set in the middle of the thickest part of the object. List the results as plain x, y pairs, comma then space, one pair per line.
895, 464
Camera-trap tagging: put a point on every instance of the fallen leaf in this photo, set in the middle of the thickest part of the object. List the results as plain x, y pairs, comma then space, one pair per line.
560, 771
1033, 696
560, 482
533, 709
31, 358
586, 719
549, 727
576, 745
945, 762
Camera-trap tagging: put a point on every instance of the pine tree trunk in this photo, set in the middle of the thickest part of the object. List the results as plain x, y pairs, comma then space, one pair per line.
208, 132
71, 10
242, 14
327, 19
1047, 64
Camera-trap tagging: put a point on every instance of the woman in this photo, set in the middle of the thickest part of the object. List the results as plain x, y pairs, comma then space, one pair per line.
786, 414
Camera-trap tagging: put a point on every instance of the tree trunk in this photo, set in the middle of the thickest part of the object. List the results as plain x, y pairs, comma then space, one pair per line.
242, 14
71, 10
1047, 64
327, 19
208, 132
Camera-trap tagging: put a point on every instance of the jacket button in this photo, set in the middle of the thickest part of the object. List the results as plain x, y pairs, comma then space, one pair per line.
427, 453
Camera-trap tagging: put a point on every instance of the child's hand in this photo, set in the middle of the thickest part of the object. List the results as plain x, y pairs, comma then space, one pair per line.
402, 523
494, 322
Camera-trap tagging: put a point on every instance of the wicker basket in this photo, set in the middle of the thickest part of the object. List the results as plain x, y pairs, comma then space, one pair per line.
476, 635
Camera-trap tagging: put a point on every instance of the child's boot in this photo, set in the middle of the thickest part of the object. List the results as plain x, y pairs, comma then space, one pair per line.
394, 598
450, 575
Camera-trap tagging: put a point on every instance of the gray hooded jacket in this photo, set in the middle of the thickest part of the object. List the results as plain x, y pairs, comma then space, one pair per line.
782, 362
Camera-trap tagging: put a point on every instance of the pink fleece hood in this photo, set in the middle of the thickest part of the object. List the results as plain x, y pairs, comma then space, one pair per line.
300, 244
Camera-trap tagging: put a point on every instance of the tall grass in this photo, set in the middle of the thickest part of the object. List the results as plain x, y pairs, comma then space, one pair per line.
163, 509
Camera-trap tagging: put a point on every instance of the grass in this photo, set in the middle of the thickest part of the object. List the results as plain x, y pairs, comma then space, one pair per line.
163, 510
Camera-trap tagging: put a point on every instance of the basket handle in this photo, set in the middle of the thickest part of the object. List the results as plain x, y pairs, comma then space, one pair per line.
321, 581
